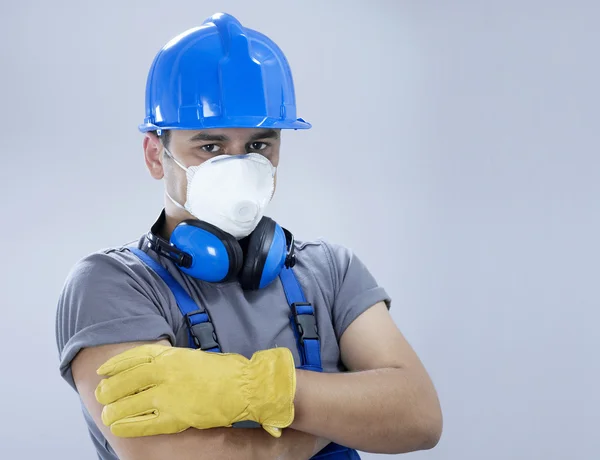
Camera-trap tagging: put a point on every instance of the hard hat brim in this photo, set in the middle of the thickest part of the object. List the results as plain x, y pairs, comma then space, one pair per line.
231, 122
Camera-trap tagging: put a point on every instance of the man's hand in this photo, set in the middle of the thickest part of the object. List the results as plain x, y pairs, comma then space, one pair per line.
155, 389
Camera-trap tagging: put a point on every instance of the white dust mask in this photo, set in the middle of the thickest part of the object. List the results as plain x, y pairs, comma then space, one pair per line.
230, 192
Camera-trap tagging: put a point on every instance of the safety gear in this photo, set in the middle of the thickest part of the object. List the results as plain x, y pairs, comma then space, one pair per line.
220, 75
230, 192
157, 389
207, 253
202, 333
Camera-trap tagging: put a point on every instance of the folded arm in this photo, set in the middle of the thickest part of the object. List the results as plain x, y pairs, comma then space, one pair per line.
213, 444
386, 404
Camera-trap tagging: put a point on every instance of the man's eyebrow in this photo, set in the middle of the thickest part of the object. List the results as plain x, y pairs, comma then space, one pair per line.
208, 137
267, 134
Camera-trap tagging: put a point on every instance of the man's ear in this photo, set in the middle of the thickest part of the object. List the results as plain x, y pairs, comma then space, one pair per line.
153, 155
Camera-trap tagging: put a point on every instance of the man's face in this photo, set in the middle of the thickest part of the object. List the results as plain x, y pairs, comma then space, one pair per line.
192, 148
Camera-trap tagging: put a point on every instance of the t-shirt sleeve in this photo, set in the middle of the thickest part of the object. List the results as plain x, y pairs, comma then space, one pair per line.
106, 300
355, 288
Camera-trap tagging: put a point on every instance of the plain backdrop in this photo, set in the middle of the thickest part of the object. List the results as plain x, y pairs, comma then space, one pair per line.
455, 148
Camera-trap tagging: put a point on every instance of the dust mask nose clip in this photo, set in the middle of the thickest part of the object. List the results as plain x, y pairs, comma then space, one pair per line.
230, 192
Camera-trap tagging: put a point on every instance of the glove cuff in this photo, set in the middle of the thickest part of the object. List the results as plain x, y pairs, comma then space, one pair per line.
271, 387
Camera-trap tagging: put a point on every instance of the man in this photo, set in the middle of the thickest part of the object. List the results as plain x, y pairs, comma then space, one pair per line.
206, 338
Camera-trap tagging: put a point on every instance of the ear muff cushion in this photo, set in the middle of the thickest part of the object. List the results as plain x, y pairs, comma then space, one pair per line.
259, 244
231, 245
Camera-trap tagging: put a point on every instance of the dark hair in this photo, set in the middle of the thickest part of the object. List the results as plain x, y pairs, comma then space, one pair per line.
165, 137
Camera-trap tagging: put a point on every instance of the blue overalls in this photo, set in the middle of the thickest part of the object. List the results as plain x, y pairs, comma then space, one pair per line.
302, 320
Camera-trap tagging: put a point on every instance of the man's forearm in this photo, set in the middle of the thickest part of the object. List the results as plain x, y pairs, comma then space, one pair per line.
221, 444
293, 445
259, 445
384, 410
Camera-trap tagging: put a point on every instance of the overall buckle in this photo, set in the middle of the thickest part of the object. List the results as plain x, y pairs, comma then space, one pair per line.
305, 322
203, 333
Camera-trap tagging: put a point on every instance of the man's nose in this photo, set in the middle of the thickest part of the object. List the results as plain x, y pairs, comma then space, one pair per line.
237, 148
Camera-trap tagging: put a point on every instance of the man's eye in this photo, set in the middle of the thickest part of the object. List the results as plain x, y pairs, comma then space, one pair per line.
258, 145
211, 148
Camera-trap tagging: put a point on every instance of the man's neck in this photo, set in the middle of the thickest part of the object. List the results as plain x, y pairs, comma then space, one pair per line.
173, 217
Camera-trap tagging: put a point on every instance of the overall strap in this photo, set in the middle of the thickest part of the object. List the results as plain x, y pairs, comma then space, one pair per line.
304, 324
200, 328
303, 321
336, 452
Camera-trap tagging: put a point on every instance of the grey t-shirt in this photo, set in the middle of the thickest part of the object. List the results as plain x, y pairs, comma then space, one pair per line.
112, 297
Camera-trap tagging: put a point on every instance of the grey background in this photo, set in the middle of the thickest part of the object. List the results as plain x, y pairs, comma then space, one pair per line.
455, 148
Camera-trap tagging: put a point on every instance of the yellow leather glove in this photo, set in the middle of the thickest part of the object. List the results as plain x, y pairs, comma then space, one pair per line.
155, 389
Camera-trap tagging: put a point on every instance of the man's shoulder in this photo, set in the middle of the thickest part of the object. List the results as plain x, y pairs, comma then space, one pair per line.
107, 261
321, 250
326, 260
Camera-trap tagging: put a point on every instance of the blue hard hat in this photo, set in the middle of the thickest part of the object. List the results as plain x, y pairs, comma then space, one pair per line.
220, 75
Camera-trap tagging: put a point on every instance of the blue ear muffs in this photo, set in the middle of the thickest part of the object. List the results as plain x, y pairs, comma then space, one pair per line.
216, 256
207, 253
265, 255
